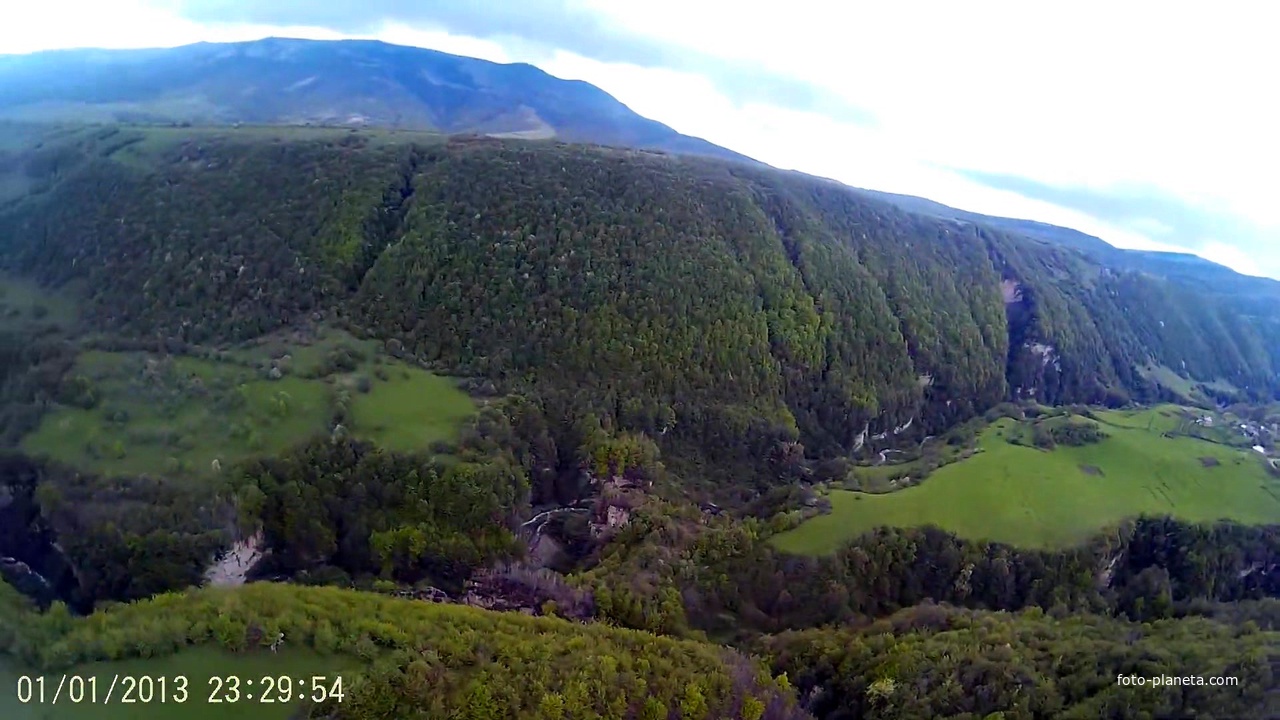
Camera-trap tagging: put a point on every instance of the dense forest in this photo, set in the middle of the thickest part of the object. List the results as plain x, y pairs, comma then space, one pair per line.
668, 354
736, 307
938, 662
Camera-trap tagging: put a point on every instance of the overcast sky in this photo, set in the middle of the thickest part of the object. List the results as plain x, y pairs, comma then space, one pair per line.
1151, 125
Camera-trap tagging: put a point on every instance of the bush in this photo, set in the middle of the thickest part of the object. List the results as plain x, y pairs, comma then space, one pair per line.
77, 391
1077, 434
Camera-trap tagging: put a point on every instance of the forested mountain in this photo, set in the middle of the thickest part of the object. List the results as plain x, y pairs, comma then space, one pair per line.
736, 306
1252, 295
350, 82
642, 334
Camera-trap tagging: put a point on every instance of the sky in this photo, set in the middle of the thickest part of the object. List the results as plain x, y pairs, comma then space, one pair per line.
1150, 125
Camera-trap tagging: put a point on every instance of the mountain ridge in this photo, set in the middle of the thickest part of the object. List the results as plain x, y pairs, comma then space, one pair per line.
320, 82
1179, 265
281, 80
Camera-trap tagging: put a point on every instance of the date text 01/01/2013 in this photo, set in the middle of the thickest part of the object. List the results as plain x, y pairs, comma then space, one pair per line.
177, 689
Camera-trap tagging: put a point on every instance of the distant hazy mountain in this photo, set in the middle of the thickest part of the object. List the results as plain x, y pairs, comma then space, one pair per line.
349, 82
1259, 295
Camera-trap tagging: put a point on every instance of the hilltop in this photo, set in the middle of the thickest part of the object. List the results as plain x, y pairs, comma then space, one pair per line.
357, 83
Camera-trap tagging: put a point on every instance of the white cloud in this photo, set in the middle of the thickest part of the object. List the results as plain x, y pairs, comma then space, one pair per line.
122, 24
1233, 257
400, 34
1094, 95
848, 152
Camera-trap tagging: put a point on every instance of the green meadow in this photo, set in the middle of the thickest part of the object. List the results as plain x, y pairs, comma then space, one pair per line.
410, 410
175, 415
1025, 496
130, 413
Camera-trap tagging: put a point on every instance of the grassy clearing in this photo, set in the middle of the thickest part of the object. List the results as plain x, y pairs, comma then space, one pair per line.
1033, 498
410, 410
175, 415
1191, 391
197, 665
139, 413
27, 308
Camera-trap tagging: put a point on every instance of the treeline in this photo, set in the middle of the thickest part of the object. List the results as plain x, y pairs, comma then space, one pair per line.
938, 662
422, 660
734, 584
728, 310
31, 378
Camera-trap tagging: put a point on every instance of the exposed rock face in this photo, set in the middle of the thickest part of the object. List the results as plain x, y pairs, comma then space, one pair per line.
616, 517
427, 594
1011, 290
231, 569
612, 511
531, 591
30, 557
544, 550
528, 591
27, 581
1047, 353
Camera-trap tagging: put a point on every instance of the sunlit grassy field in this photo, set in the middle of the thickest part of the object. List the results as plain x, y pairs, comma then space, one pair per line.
1033, 498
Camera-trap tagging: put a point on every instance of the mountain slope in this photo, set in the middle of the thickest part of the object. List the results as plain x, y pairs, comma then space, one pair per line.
350, 82
738, 306
1203, 275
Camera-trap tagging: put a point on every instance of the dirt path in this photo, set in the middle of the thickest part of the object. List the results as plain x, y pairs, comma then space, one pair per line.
231, 569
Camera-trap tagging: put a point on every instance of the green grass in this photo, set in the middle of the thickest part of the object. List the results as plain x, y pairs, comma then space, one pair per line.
406, 409
1188, 390
881, 477
26, 307
1032, 498
1169, 379
196, 664
176, 416
410, 410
